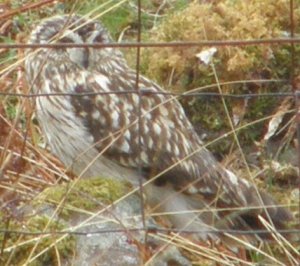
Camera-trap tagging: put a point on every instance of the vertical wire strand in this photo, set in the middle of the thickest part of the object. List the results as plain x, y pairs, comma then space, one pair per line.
296, 89
292, 32
138, 52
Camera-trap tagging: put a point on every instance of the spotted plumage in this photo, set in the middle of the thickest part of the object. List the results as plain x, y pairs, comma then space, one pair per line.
98, 134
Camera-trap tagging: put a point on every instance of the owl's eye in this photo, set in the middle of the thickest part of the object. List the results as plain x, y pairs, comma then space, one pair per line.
66, 40
83, 31
99, 38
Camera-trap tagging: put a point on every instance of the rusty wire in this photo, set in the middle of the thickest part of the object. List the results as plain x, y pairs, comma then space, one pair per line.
140, 126
295, 92
176, 44
151, 229
147, 92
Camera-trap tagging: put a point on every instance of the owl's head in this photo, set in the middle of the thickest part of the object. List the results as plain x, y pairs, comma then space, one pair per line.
72, 29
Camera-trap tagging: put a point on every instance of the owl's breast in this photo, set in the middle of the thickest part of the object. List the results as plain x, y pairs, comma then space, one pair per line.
67, 136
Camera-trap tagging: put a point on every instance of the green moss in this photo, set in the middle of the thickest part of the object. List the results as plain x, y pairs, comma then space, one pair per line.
178, 69
85, 195
117, 19
225, 20
78, 197
23, 244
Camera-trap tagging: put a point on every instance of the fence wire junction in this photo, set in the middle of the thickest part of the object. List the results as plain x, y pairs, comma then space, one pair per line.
294, 93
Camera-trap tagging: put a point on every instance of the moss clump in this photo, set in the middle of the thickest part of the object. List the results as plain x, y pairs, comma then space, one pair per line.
223, 20
79, 197
83, 195
179, 70
18, 246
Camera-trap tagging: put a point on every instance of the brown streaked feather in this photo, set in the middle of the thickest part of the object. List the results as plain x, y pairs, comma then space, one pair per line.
78, 128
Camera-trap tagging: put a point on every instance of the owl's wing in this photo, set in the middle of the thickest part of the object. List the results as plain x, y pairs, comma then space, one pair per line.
162, 137
112, 116
163, 140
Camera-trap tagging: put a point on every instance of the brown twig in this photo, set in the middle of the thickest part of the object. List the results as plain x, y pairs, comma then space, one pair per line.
25, 8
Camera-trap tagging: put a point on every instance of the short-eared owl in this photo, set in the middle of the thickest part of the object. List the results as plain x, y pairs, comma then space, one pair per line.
97, 132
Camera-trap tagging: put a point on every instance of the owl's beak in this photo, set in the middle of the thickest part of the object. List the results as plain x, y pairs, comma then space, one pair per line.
85, 58
80, 56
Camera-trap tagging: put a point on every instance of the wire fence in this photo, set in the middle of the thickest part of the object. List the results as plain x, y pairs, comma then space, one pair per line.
294, 92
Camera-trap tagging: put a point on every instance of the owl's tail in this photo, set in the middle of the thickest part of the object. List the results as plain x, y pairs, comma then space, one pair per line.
261, 219
253, 215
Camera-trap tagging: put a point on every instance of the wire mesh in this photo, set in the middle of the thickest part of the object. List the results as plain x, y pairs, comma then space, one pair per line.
294, 92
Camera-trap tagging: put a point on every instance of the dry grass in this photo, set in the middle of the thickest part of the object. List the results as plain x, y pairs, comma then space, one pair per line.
27, 168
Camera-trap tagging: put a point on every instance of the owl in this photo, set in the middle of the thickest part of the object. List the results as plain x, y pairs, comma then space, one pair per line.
98, 123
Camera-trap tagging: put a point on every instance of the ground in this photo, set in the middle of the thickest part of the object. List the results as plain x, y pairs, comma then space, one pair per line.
253, 136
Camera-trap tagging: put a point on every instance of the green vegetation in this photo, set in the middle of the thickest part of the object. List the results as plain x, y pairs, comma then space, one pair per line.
82, 195
77, 197
18, 246
176, 69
